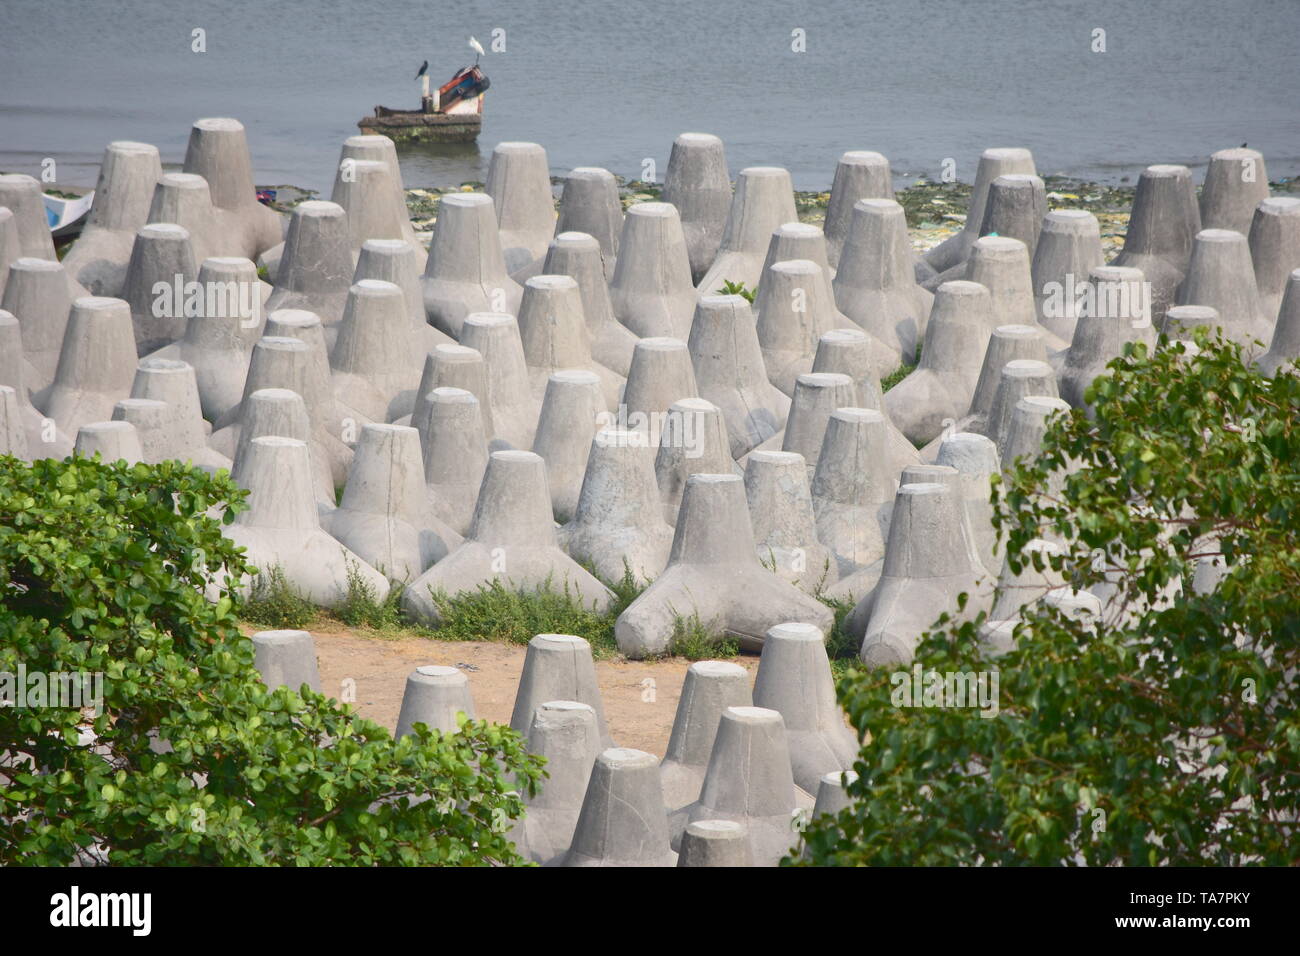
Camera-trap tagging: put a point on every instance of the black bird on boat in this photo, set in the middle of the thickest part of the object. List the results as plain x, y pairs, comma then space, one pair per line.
424, 68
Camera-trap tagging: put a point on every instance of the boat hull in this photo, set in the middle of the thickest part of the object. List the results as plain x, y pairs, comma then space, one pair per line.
417, 126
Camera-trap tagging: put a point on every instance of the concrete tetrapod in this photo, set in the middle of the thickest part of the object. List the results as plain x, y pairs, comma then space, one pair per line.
589, 204
730, 373
455, 454
1002, 265
184, 200
511, 540
112, 441
286, 659
1275, 249
386, 516
39, 295
558, 667
661, 373
375, 364
218, 152
10, 249
96, 364
127, 175
1020, 377
1034, 580
618, 521
622, 822
13, 434
794, 679
366, 190
993, 163
434, 696
749, 781
1164, 220
1119, 314
453, 366
162, 256
564, 733
172, 381
858, 175
875, 282
22, 195
152, 420
1235, 184
939, 390
716, 843
709, 689
816, 396
466, 271
514, 405
792, 313
1069, 248
281, 527
698, 185
764, 199
1029, 422
315, 272
519, 182
693, 441
565, 430
714, 574
43, 438
279, 411
579, 256
1008, 343
852, 496
555, 337
1285, 347
1015, 208
929, 561
396, 261
785, 528
651, 288
1221, 276
373, 146
975, 459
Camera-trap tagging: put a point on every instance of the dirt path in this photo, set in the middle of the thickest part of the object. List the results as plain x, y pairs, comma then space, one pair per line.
640, 697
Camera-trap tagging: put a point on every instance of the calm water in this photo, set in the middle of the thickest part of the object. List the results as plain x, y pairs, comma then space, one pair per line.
609, 84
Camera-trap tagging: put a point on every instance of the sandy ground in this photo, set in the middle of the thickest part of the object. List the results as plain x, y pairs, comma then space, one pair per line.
640, 697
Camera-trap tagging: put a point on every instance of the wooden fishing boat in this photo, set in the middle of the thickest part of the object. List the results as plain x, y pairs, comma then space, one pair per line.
453, 115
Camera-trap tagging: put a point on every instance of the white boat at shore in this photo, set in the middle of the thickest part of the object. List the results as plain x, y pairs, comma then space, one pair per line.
67, 216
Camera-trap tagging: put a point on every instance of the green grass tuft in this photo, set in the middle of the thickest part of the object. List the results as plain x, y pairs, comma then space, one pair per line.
274, 603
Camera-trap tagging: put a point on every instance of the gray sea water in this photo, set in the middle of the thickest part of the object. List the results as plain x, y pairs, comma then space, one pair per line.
605, 83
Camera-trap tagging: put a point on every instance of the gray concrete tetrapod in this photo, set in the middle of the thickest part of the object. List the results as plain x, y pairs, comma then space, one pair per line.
375, 364
801, 240
455, 454
519, 182
558, 667
372, 146
10, 248
564, 733
713, 574
1069, 248
716, 843
386, 515
22, 195
555, 336
816, 396
730, 373
1285, 347
661, 373
651, 289
127, 175
698, 185
565, 430
785, 527
875, 282
218, 343
618, 523
1002, 265
589, 204
993, 163
849, 352
514, 404
39, 295
929, 562
315, 272
794, 679
218, 151
173, 381
1161, 226
282, 528
1016, 205
1275, 249
578, 255
709, 689
1036, 577
622, 822
859, 174
749, 781
1119, 314
1020, 377
466, 271
13, 434
162, 266
852, 494
764, 199
396, 261
338, 418
975, 459
939, 390
152, 420
1235, 184
96, 364
693, 441
42, 436
184, 199
286, 659
434, 696
1181, 320
370, 196
453, 366
511, 541
792, 313
1029, 421
279, 411
112, 441
1008, 342
1220, 275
